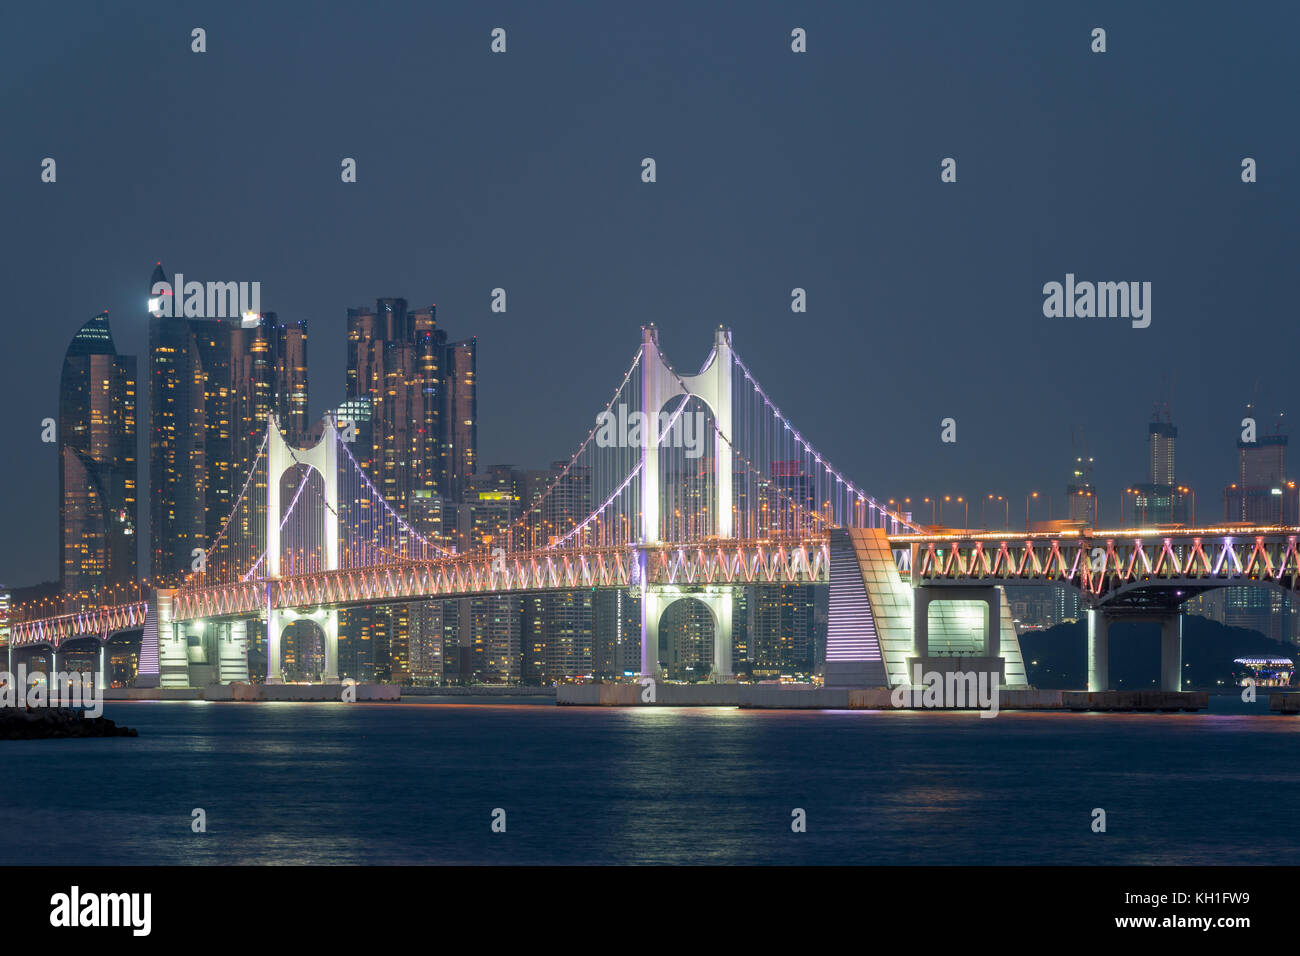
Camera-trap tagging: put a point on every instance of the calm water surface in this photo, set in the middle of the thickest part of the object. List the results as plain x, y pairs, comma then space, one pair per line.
417, 783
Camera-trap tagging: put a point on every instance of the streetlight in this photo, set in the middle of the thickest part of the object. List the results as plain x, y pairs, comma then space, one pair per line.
1032, 494
1189, 491
1135, 493
1006, 526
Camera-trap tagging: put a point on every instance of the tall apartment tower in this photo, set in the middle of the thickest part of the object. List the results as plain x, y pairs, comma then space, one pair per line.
423, 399
1262, 494
1160, 500
1162, 436
419, 396
1080, 494
460, 417
212, 384
97, 465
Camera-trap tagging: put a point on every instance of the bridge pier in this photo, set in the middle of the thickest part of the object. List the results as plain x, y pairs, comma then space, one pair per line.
1171, 653
1098, 651
654, 602
331, 629
1171, 647
275, 623
650, 614
274, 665
991, 596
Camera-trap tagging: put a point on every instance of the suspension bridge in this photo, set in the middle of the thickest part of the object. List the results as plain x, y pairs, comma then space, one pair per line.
687, 485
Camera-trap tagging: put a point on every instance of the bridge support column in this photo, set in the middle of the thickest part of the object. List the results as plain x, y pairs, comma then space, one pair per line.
921, 622
993, 630
331, 629
1098, 651
274, 673
722, 606
652, 609
1171, 653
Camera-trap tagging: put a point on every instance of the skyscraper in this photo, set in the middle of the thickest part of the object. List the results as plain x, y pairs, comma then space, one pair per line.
420, 440
212, 384
97, 464
1159, 500
1261, 494
1080, 494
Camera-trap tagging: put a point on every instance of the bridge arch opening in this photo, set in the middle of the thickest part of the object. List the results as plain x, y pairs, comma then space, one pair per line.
687, 630
303, 651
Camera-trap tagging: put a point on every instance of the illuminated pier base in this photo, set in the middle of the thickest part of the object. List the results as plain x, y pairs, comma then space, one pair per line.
655, 601
328, 623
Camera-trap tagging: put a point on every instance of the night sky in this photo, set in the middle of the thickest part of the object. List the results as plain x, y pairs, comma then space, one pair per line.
775, 170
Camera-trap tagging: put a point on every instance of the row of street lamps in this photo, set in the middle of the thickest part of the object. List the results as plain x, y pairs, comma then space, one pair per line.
937, 503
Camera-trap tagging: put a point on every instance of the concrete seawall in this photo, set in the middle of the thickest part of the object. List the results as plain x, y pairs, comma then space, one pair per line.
800, 697
704, 695
257, 692
478, 690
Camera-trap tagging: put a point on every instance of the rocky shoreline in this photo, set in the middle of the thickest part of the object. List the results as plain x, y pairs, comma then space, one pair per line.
56, 722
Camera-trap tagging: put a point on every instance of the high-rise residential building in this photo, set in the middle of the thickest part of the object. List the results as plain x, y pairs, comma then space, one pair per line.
616, 634
1160, 500
1080, 494
212, 384
485, 637
395, 361
1262, 494
97, 465
558, 635
781, 629
1162, 436
460, 417
686, 641
417, 397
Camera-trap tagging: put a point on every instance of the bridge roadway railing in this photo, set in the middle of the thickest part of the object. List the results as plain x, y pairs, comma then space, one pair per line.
1101, 563
98, 622
717, 561
710, 562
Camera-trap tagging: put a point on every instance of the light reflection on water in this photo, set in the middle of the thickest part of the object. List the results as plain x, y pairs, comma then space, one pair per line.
412, 783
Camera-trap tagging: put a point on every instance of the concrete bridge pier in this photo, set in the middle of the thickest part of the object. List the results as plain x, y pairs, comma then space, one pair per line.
331, 628
328, 622
655, 601
1171, 653
274, 671
1171, 648
1098, 650
925, 596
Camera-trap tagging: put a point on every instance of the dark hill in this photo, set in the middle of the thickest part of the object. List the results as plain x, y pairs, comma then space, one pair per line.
1057, 658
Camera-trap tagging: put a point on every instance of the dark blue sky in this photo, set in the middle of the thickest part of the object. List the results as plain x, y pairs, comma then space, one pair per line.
775, 170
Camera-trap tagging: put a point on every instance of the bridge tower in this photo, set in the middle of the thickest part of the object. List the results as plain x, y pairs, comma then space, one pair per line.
323, 458
659, 386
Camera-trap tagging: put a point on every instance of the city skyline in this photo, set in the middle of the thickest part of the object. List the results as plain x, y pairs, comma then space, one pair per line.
917, 279
1040, 506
